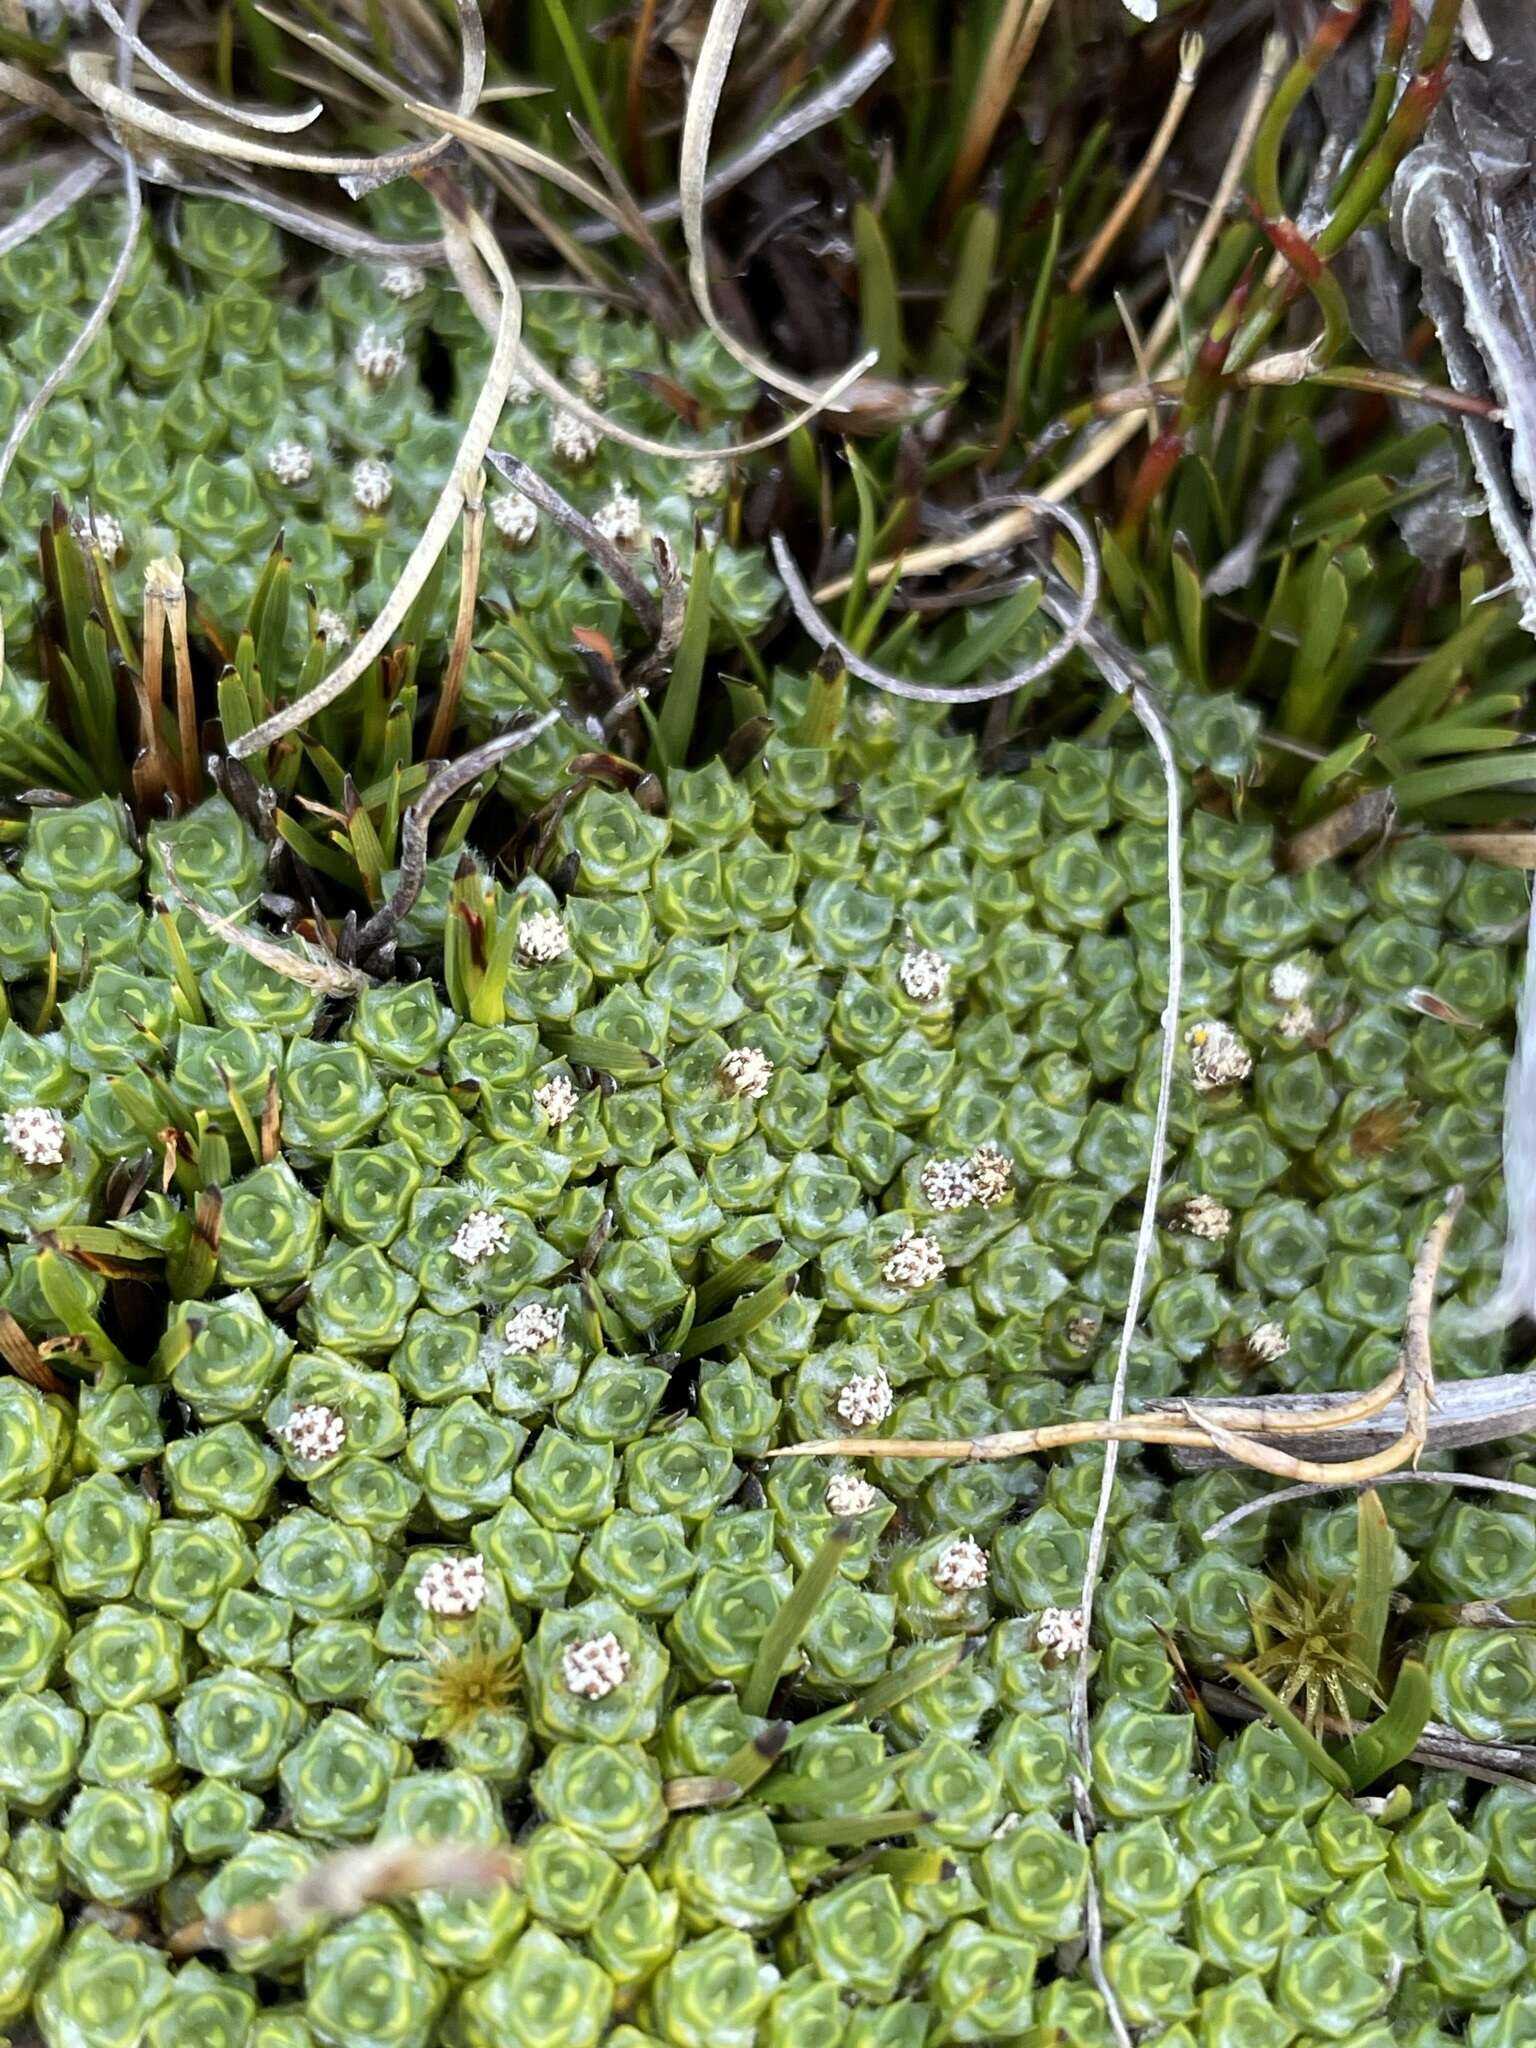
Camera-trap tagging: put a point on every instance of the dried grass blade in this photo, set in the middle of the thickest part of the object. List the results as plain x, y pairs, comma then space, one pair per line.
71, 186
273, 120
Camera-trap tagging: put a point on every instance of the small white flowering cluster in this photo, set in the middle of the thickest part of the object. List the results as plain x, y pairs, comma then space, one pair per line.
556, 1099
332, 627
372, 484
542, 937
1299, 1021
533, 1327
595, 1668
314, 1433
948, 1183
106, 531
621, 519
848, 1494
962, 1567
1062, 1632
480, 1234
1082, 1332
515, 518
1203, 1216
746, 1071
1266, 1342
924, 976
519, 390
992, 1171
1217, 1055
378, 356
704, 479
914, 1260
866, 1398
571, 440
986, 1177
291, 462
1291, 980
402, 281
452, 1587
35, 1135
588, 376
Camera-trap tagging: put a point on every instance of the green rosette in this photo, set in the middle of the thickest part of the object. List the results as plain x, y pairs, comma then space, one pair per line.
608, 1794
849, 1641
78, 854
237, 1725
368, 1493
1142, 1875
189, 1565
1141, 1761
336, 1780
358, 1302
728, 1870
1326, 1983
1348, 1840
616, 842
1435, 1860
1033, 1755
369, 1402
269, 1230
98, 1534
30, 1930
426, 1122
1279, 1781
222, 1357
118, 1843
333, 1662
367, 1985
1483, 1682
567, 1879
567, 1484
536, 1563
123, 1656
248, 1629
1214, 1600
642, 1560
1033, 1878
214, 1819
259, 1872
960, 1787
439, 1357
1242, 1919
1387, 1924
225, 1469
544, 1995
463, 1458
118, 1020
326, 1569
630, 1712
102, 1991
1292, 1851
40, 1735
615, 1401
637, 1929
33, 1437
33, 1632
331, 1098
402, 1026
1153, 1977
856, 1936
1505, 1822
118, 1425
719, 1627
204, 2010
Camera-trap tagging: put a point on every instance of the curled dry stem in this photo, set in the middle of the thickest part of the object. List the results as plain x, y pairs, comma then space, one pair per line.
532, 486
271, 120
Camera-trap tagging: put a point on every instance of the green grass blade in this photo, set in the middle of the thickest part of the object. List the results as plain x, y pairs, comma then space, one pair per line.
1376, 1550
967, 296
581, 78
793, 1619
743, 1317
680, 706
607, 1055
1515, 770
1392, 1737
853, 1832
879, 300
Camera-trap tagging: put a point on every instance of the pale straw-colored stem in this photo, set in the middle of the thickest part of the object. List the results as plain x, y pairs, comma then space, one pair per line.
1191, 55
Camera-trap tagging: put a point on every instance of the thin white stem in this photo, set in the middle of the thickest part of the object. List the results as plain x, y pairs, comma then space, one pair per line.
1477, 1482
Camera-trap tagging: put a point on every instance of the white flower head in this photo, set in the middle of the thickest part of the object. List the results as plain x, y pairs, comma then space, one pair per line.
452, 1587
924, 975
866, 1398
1082, 1332
705, 479
515, 518
102, 530
948, 1183
962, 1567
848, 1494
372, 484
378, 356
402, 281
35, 1135
746, 1071
314, 1433
589, 377
1217, 1055
596, 1667
331, 626
1298, 1021
1203, 1216
1266, 1342
621, 519
1290, 980
534, 1327
556, 1099
915, 1260
481, 1234
519, 390
1061, 1632
291, 462
991, 1175
542, 937
571, 440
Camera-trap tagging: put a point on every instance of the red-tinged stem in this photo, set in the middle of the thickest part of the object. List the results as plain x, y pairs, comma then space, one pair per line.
1157, 468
